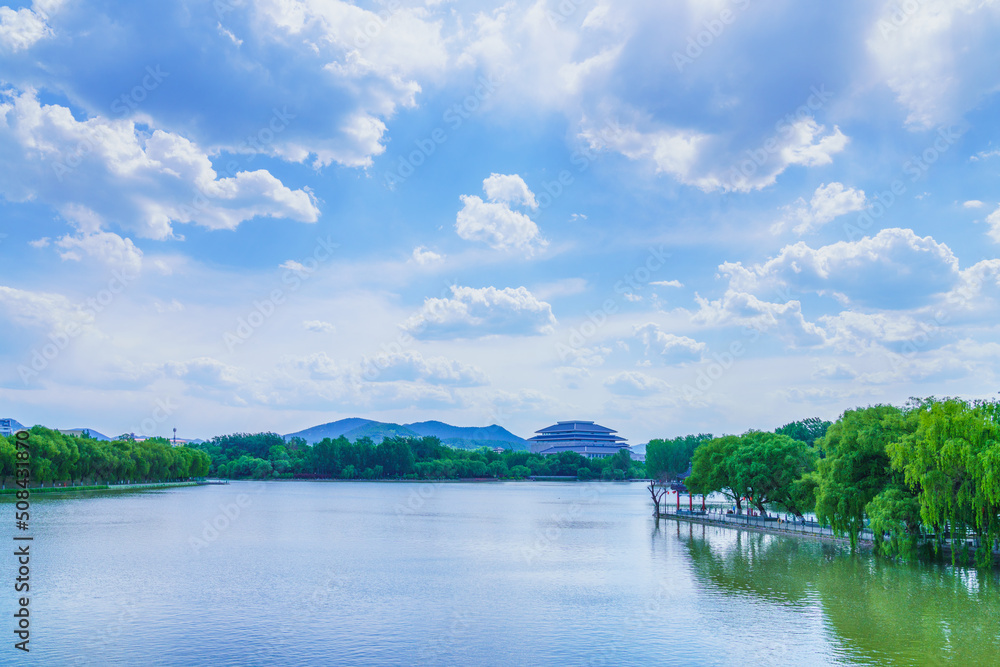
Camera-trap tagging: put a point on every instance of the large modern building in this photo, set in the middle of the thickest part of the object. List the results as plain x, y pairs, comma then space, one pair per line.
585, 438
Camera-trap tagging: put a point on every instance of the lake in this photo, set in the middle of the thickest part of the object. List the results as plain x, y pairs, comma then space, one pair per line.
356, 573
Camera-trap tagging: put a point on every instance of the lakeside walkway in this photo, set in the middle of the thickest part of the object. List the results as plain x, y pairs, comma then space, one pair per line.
768, 524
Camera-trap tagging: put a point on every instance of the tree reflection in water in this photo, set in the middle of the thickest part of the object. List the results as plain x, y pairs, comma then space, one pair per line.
873, 611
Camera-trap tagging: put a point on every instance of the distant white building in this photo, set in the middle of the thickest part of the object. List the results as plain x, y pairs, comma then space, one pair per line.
587, 439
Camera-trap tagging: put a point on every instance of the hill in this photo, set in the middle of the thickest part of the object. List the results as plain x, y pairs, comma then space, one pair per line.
331, 430
96, 435
459, 437
449, 432
377, 431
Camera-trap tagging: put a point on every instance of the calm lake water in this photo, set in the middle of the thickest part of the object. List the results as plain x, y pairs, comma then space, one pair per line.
467, 574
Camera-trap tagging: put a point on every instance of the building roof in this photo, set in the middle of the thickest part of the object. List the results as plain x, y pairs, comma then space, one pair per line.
580, 432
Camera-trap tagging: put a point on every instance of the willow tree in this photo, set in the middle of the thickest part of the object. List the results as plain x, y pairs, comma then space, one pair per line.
953, 459
712, 469
856, 467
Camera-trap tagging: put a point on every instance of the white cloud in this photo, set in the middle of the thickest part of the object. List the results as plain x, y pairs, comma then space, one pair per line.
53, 312
473, 313
319, 326
828, 202
893, 269
142, 181
710, 163
509, 189
939, 60
973, 203
22, 28
993, 220
494, 222
634, 383
670, 347
411, 366
736, 308
667, 283
108, 248
423, 256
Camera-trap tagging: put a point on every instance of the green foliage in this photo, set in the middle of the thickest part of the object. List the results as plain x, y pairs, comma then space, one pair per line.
712, 469
951, 458
856, 466
807, 430
766, 468
894, 517
669, 459
57, 457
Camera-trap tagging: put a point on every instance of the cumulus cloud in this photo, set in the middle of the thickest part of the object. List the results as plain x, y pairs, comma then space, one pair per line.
494, 222
509, 189
893, 269
736, 308
106, 247
473, 313
973, 203
21, 29
828, 202
142, 181
671, 348
712, 162
634, 383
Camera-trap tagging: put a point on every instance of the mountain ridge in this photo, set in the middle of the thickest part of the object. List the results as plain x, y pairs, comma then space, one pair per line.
460, 437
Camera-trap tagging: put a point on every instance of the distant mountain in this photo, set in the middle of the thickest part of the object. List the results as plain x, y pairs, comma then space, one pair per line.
332, 430
96, 435
378, 431
460, 437
449, 432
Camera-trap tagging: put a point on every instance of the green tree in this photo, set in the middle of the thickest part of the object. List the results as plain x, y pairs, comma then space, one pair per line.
765, 468
952, 459
856, 466
669, 459
807, 430
712, 469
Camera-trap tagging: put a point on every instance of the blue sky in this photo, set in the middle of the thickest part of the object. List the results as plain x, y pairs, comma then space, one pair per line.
695, 216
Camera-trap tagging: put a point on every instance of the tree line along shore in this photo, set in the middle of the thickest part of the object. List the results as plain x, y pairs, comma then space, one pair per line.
920, 477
